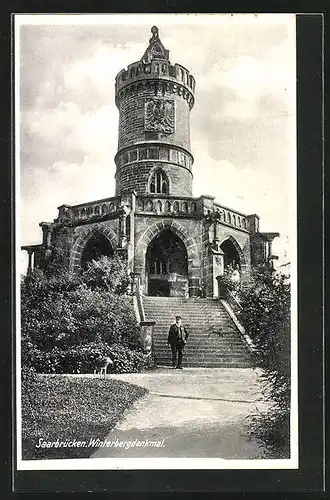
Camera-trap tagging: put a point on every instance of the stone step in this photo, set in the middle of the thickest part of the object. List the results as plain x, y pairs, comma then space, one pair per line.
205, 364
205, 358
200, 341
200, 316
215, 344
207, 352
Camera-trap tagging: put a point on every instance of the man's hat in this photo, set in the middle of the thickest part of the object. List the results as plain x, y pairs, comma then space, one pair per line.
178, 317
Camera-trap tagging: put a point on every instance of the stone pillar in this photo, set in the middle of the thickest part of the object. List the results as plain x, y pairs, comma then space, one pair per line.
270, 250
122, 236
146, 336
216, 237
135, 283
207, 203
218, 270
253, 223
131, 234
30, 253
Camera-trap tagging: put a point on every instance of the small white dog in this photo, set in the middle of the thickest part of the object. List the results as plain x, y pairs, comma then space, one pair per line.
101, 365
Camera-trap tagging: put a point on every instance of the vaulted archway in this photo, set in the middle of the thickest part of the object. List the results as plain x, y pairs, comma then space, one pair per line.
94, 234
167, 265
231, 255
97, 246
188, 240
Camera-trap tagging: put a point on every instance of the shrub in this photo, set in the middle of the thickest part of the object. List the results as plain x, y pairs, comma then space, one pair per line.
64, 316
108, 274
265, 316
82, 359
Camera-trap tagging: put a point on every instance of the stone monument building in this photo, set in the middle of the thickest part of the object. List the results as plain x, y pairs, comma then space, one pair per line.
176, 243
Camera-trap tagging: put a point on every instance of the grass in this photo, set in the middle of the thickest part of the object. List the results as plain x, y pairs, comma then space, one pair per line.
56, 407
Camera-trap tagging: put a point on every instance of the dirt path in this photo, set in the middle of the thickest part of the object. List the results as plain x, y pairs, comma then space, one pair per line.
196, 412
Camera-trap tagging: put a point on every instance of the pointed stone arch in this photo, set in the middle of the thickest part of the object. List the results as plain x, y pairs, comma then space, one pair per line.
82, 239
194, 263
242, 259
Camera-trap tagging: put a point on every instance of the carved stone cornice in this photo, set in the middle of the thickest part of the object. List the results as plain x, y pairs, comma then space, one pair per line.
158, 88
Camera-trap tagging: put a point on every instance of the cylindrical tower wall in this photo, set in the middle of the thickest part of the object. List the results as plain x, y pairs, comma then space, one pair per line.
138, 176
132, 114
154, 100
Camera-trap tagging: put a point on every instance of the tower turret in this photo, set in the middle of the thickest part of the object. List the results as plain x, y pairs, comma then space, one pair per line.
154, 99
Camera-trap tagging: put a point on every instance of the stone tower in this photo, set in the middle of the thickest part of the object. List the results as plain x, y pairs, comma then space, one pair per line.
154, 99
175, 244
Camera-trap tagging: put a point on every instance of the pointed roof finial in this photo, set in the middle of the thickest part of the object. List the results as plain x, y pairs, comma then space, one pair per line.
156, 49
155, 32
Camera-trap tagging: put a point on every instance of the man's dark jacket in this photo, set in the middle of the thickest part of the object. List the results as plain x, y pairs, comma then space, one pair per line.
174, 335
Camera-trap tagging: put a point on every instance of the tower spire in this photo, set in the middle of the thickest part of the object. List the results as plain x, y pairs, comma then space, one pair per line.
156, 49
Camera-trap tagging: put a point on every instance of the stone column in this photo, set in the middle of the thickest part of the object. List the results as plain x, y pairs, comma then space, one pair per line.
216, 236
135, 283
30, 253
146, 336
131, 236
218, 270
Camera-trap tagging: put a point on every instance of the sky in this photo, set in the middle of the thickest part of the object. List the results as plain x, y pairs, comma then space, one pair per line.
243, 124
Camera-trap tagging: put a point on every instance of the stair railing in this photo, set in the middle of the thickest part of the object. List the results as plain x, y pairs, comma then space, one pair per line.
233, 308
146, 327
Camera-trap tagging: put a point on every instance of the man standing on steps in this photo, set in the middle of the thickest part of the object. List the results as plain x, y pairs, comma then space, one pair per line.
177, 339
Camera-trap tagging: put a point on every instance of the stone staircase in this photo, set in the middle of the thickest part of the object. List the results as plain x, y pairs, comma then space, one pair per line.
214, 340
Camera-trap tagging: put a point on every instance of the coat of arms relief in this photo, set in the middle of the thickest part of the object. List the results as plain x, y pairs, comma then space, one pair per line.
159, 115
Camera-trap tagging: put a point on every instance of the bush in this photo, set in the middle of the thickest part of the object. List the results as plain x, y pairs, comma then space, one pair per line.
66, 316
226, 282
108, 274
265, 316
82, 359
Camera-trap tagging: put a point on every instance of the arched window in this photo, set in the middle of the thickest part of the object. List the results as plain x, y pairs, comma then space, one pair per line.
149, 206
175, 206
140, 205
159, 183
167, 206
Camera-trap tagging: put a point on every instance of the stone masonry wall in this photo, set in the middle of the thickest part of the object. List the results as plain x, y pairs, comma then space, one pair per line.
136, 176
131, 119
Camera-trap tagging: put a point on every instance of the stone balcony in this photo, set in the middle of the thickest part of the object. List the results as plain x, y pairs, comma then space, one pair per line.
155, 204
190, 207
88, 211
167, 204
231, 217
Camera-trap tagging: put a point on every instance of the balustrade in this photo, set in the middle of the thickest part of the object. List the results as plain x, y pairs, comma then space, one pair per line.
88, 210
233, 218
166, 205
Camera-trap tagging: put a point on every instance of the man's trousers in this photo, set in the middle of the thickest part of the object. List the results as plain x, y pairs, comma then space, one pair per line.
177, 353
